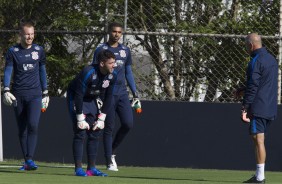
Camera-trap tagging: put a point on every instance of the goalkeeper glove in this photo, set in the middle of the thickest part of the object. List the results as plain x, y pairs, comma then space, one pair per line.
100, 123
9, 98
136, 104
45, 100
81, 123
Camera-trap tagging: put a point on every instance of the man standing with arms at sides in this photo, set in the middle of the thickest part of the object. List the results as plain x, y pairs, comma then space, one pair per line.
260, 99
121, 104
29, 90
88, 111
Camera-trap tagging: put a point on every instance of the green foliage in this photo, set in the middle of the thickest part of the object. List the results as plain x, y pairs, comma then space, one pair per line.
63, 62
183, 63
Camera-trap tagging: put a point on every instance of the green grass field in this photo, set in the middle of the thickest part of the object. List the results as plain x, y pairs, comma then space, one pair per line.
52, 173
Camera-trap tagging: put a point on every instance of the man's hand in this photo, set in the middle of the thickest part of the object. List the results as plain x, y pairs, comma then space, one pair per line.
81, 123
9, 98
45, 100
136, 104
245, 117
100, 123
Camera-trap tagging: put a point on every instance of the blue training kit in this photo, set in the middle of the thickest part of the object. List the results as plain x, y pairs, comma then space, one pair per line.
29, 80
121, 104
82, 92
262, 85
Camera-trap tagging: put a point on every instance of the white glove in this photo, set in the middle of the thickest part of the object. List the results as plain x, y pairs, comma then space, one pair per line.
136, 103
100, 123
9, 98
81, 123
99, 103
45, 100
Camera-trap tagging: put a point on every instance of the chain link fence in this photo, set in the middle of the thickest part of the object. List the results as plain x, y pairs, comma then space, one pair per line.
183, 50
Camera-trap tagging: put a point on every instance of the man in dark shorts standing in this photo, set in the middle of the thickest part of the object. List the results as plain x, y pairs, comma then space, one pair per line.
260, 99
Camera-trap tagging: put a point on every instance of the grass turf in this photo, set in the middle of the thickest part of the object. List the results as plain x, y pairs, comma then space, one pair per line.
52, 173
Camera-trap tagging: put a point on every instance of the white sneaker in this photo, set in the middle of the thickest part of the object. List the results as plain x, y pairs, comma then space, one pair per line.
114, 160
111, 167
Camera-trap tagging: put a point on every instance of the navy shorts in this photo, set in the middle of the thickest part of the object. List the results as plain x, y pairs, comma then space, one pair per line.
259, 125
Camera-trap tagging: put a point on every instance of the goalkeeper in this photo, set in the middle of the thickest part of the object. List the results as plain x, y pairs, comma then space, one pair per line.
121, 104
89, 99
27, 62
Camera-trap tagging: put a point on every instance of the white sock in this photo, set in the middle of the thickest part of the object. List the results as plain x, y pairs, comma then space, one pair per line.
260, 172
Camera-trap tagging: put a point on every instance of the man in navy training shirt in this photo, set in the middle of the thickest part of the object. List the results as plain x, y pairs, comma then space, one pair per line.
260, 99
29, 90
89, 99
121, 104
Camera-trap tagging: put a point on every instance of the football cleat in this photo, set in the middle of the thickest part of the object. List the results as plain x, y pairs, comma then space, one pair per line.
112, 167
29, 165
95, 172
79, 172
254, 180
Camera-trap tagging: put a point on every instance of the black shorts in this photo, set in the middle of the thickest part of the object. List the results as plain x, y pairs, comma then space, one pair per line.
259, 125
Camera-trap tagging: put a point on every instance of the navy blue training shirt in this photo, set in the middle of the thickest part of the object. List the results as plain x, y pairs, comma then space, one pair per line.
89, 84
123, 68
262, 85
29, 70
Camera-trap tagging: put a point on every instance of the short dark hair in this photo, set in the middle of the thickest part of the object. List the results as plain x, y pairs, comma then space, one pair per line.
104, 55
112, 25
26, 23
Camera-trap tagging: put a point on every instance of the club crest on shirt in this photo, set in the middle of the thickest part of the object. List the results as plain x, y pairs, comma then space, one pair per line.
34, 55
106, 83
122, 53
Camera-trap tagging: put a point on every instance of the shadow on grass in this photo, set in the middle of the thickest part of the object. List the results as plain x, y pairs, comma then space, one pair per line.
39, 172
172, 179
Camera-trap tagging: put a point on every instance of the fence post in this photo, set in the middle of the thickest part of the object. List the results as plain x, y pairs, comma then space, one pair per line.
125, 21
1, 134
280, 53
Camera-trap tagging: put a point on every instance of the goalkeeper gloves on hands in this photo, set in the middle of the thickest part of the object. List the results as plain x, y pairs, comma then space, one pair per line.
9, 98
136, 104
45, 100
99, 124
81, 123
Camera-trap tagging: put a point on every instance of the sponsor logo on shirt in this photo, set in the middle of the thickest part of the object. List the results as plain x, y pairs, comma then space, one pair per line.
37, 48
119, 62
94, 77
28, 67
110, 76
16, 49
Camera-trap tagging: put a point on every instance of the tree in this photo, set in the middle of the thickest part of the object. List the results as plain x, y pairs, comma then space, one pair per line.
52, 15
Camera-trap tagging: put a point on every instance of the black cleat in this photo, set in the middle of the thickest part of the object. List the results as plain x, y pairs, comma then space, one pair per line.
254, 180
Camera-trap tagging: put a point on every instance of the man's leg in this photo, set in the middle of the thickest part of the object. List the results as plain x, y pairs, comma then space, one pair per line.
33, 117
260, 155
125, 114
108, 133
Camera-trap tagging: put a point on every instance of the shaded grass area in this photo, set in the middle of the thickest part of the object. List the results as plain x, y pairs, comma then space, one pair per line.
51, 173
